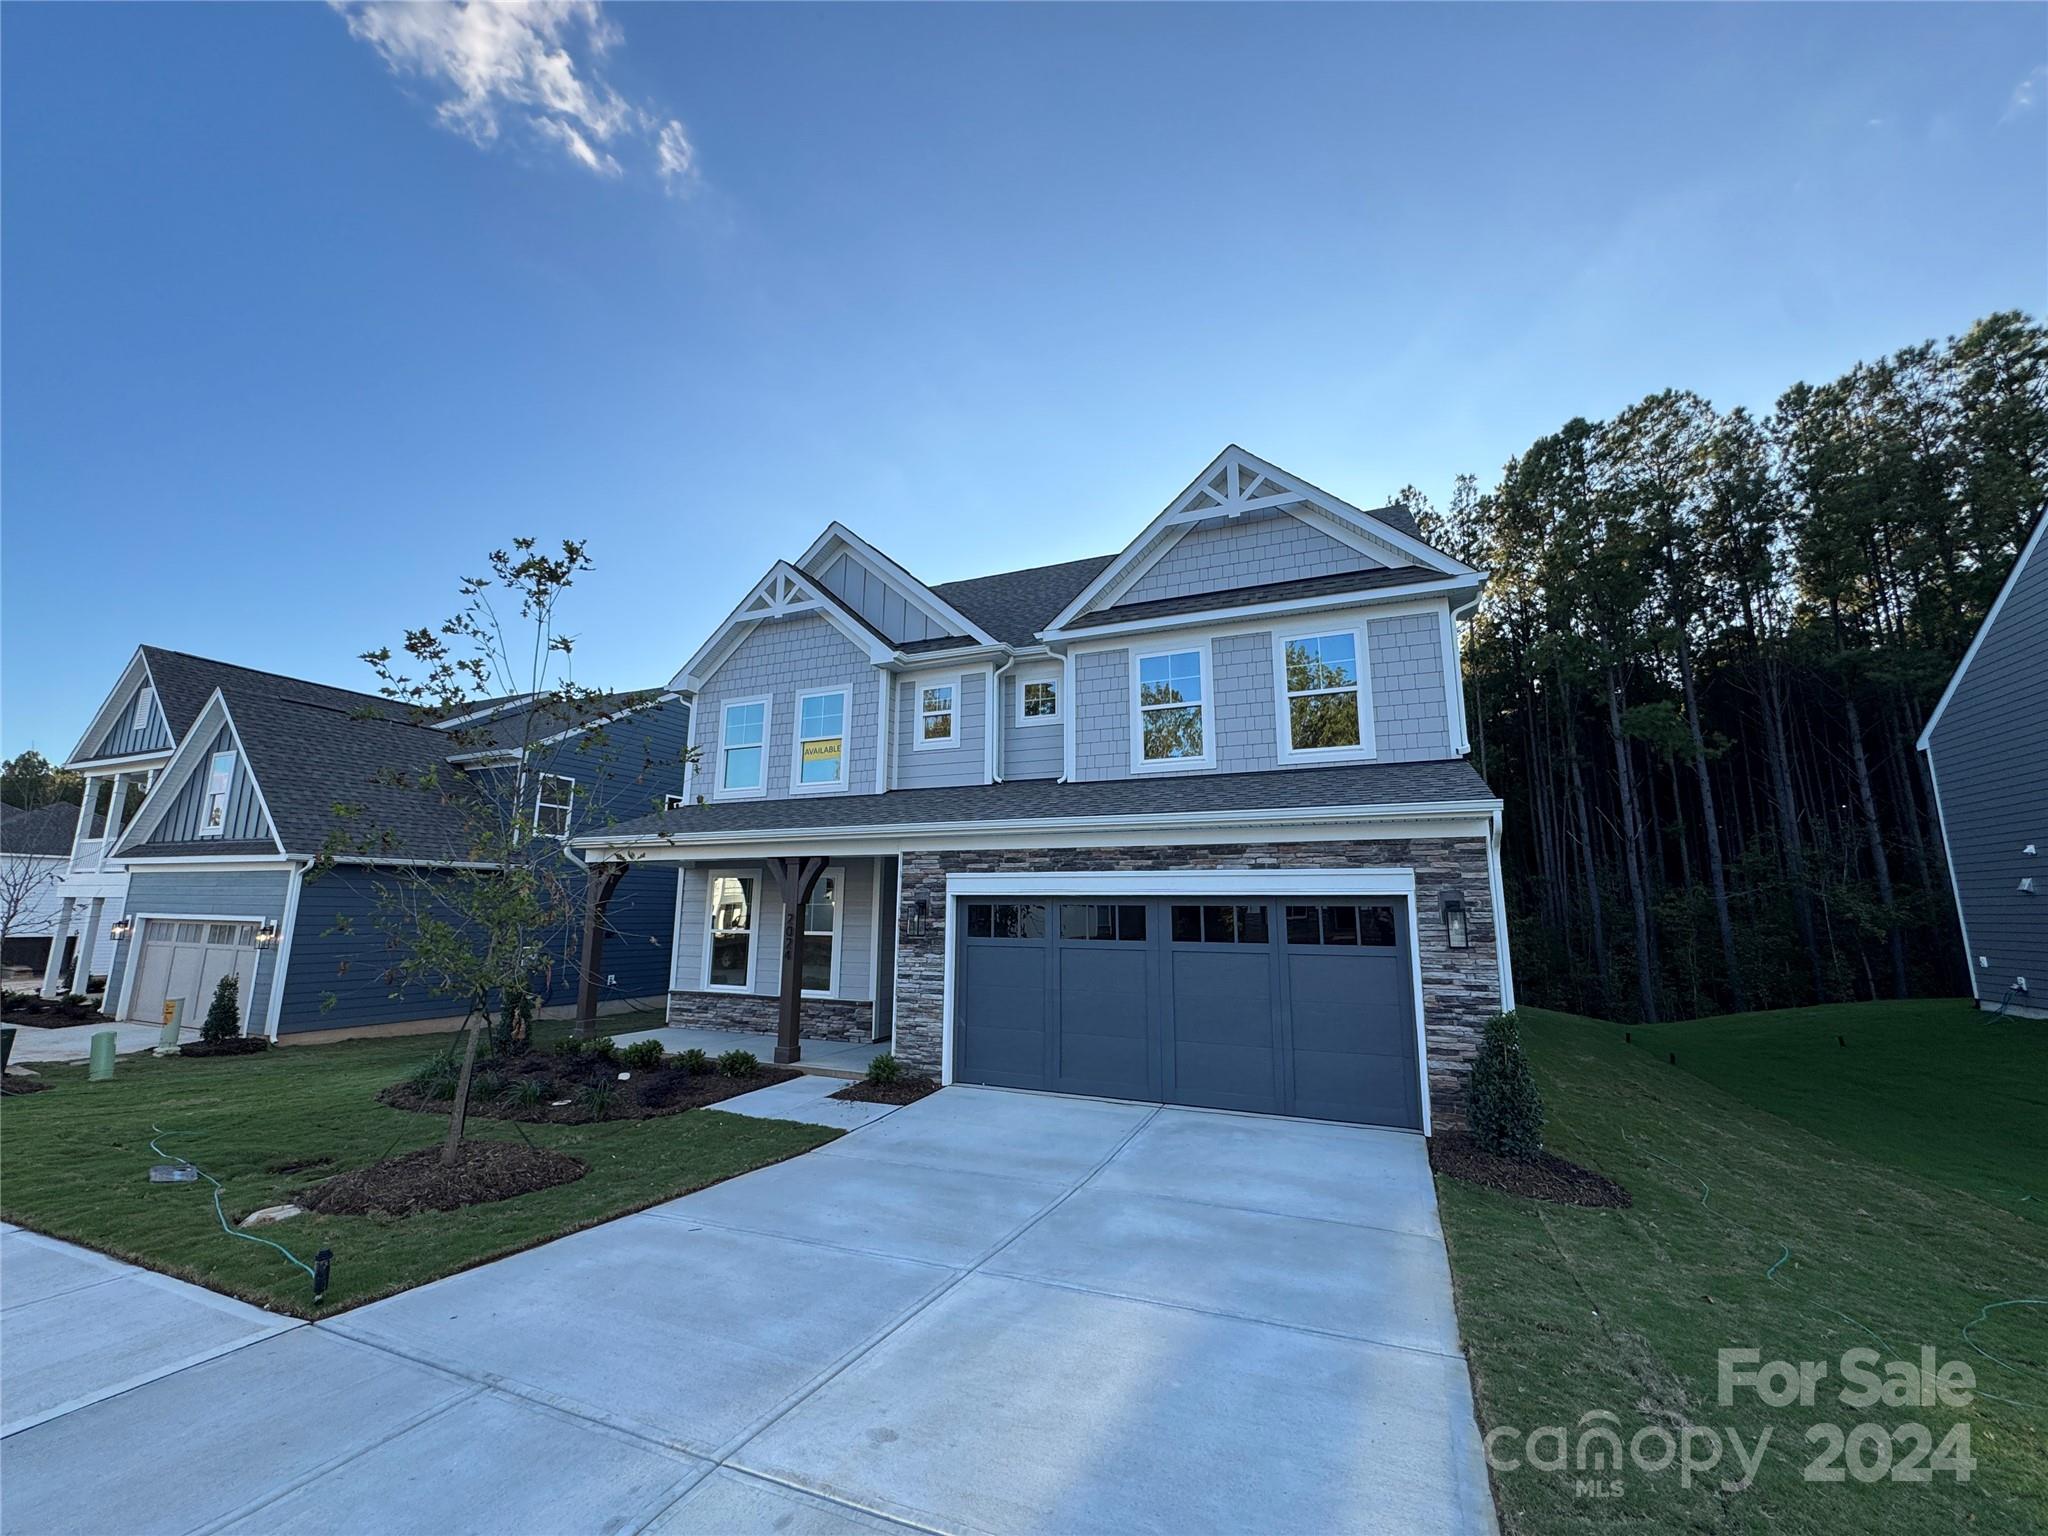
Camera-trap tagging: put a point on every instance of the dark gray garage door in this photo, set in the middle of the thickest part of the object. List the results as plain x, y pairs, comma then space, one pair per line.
1276, 1005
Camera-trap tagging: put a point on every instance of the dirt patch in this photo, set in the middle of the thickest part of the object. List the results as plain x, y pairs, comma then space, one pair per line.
240, 1045
577, 1090
1455, 1154
13, 1084
299, 1165
483, 1171
905, 1090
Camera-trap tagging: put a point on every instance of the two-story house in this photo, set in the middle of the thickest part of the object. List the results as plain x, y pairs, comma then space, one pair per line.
1190, 823
277, 827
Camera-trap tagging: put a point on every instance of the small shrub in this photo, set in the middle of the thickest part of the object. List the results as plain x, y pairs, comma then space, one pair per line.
739, 1064
569, 1045
79, 999
431, 1074
602, 1049
885, 1068
597, 1098
224, 1018
1505, 1111
487, 1085
529, 1093
694, 1061
642, 1056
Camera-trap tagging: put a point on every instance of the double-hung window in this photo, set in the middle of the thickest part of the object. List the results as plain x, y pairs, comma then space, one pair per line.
1326, 711
818, 959
1038, 701
935, 715
554, 803
743, 747
729, 933
1173, 710
213, 810
820, 741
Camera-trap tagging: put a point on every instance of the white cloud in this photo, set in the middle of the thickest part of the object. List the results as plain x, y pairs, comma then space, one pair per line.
2026, 95
530, 64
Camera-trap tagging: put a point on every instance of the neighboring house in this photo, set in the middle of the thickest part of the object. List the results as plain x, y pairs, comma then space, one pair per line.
35, 853
1187, 823
1987, 753
254, 777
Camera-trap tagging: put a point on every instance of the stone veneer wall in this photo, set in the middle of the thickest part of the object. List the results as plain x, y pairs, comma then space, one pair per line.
824, 1018
1460, 988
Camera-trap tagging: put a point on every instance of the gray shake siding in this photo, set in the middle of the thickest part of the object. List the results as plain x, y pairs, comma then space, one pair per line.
1989, 751
966, 762
1037, 749
246, 894
245, 819
1460, 987
122, 738
877, 601
1410, 708
781, 658
1250, 552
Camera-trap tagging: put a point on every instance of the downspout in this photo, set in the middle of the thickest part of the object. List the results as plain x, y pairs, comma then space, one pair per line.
999, 720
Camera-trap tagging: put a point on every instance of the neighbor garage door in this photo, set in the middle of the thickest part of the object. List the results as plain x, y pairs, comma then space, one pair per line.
188, 959
1278, 1005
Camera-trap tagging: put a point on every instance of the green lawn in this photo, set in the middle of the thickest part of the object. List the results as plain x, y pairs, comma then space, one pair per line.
1883, 1187
75, 1162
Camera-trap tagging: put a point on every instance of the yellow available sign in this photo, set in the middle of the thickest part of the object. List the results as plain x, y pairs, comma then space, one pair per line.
825, 751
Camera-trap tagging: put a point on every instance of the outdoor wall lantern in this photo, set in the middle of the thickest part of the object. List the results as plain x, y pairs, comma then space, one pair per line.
1457, 922
920, 916
123, 926
267, 934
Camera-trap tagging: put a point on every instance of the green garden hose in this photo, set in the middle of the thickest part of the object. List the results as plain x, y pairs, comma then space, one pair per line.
219, 1214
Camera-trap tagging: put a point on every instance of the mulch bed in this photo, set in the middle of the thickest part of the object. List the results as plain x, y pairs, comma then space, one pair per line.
11, 1085
1549, 1177
240, 1045
36, 1012
498, 1093
482, 1171
905, 1090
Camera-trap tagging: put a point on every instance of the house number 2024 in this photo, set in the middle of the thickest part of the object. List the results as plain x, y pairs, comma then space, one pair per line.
1870, 1453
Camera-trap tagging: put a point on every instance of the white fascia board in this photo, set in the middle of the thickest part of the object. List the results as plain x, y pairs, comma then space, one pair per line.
103, 767
2027, 552
1381, 880
512, 754
1255, 615
486, 713
212, 713
935, 607
208, 863
104, 717
740, 622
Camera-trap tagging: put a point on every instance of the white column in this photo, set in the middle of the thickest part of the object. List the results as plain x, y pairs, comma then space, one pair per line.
53, 970
85, 803
82, 977
117, 805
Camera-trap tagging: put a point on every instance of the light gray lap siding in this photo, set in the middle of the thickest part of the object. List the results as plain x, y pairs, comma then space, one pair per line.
935, 767
245, 819
1034, 749
1990, 757
1249, 552
253, 893
856, 929
781, 658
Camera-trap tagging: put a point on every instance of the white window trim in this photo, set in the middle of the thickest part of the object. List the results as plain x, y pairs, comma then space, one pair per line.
1059, 698
227, 793
711, 878
796, 745
837, 875
718, 788
950, 681
540, 799
1139, 762
1367, 747
145, 699
674, 802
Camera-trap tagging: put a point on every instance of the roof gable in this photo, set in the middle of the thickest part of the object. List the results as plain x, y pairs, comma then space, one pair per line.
900, 607
2030, 570
784, 591
171, 817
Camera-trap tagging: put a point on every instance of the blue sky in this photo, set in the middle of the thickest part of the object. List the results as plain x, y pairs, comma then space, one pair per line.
307, 309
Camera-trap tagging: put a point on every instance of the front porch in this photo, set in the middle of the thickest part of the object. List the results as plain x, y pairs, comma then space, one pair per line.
829, 1058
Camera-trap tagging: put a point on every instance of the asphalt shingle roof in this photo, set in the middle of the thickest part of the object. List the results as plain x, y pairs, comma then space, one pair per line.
46, 830
184, 683
1361, 784
1015, 605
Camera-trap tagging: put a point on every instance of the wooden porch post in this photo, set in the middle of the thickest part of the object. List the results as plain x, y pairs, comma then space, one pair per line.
599, 883
795, 879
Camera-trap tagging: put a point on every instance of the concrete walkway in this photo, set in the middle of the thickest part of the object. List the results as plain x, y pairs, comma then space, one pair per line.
988, 1311
840, 1056
73, 1042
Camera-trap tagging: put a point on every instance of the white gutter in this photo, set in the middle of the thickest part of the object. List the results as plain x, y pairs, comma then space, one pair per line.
1370, 596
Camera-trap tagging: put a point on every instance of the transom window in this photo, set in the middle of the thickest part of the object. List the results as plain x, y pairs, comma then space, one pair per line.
1006, 920
820, 935
213, 811
730, 963
742, 746
821, 740
1100, 920
1350, 925
935, 715
1172, 709
1323, 696
1039, 701
554, 803
1236, 924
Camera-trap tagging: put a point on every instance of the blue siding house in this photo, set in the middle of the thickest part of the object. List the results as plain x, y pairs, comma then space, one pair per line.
1987, 752
287, 825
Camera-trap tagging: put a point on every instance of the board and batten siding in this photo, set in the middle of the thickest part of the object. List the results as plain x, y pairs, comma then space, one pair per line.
780, 659
1033, 749
878, 601
1405, 663
966, 761
201, 893
856, 929
1248, 552
1989, 752
245, 819
123, 739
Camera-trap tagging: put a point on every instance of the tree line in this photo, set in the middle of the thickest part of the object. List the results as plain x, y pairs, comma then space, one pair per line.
1708, 645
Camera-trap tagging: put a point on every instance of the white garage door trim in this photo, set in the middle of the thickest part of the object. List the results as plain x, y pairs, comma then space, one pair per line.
1397, 881
133, 967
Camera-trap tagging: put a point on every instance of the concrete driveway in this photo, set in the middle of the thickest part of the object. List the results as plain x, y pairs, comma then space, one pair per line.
989, 1311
